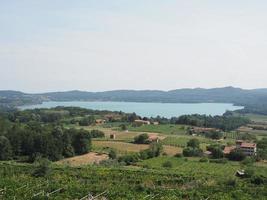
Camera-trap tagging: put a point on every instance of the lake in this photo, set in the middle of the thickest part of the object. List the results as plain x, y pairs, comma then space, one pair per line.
146, 109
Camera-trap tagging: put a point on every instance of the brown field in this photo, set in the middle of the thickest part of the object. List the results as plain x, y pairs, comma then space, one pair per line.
123, 147
86, 159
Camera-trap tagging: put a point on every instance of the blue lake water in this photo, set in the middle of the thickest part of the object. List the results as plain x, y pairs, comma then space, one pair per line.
147, 109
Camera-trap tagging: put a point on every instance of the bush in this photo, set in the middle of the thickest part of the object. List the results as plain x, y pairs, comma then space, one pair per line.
141, 139
178, 155
97, 134
112, 154
42, 167
194, 143
129, 159
167, 164
236, 155
191, 152
204, 159
258, 180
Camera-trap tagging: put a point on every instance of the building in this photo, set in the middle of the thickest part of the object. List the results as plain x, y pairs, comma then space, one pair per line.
249, 149
141, 122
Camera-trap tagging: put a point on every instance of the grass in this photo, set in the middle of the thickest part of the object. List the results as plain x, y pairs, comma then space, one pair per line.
195, 168
167, 129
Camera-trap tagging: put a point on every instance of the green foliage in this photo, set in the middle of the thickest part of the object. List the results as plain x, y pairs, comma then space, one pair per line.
191, 152
97, 134
167, 164
112, 154
225, 123
236, 155
87, 121
204, 159
42, 167
141, 139
5, 148
194, 143
81, 141
216, 151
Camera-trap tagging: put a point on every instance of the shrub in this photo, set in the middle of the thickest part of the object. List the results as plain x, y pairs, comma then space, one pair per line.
129, 159
141, 139
236, 155
194, 143
167, 164
42, 167
112, 154
204, 159
258, 180
190, 152
97, 134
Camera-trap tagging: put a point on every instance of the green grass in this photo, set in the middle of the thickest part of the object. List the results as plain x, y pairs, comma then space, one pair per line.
181, 141
168, 129
195, 168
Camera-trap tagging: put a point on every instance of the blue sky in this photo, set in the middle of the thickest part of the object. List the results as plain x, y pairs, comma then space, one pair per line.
98, 45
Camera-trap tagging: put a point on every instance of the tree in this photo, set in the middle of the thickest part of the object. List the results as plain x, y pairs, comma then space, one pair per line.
81, 142
141, 139
42, 167
236, 155
194, 143
87, 121
5, 148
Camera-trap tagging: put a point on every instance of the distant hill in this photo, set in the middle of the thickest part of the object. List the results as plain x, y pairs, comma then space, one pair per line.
238, 96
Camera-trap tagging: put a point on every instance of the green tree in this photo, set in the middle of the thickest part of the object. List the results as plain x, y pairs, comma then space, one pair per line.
5, 148
194, 143
141, 139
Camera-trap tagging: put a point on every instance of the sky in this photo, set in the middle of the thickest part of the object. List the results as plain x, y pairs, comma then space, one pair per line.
99, 45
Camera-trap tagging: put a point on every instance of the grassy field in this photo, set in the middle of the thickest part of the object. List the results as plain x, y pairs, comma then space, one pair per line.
168, 129
196, 168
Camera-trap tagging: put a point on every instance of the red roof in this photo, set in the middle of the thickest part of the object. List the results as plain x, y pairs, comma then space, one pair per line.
248, 145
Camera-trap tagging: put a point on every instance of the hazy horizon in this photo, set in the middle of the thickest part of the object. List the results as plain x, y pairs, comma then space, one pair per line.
107, 45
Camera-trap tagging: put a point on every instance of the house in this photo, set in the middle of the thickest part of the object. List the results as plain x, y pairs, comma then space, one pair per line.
141, 122
249, 149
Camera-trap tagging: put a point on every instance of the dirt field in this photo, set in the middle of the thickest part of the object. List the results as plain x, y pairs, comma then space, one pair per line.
86, 159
